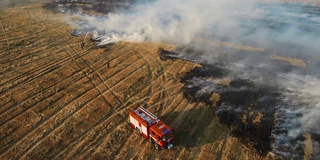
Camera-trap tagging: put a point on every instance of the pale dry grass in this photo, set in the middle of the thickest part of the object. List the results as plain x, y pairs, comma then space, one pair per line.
215, 98
255, 117
220, 81
316, 2
244, 119
308, 150
231, 45
293, 61
258, 118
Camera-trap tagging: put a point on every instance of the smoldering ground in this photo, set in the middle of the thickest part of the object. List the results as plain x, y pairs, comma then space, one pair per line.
240, 37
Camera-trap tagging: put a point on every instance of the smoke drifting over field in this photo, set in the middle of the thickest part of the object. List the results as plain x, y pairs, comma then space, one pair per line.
290, 30
180, 21
299, 115
177, 21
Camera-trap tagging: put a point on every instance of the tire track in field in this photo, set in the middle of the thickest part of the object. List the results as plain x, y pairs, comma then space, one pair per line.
5, 33
52, 122
106, 128
77, 56
115, 125
82, 133
97, 134
87, 65
36, 98
134, 71
163, 94
28, 54
133, 97
113, 113
53, 117
59, 73
165, 81
172, 108
118, 110
13, 101
118, 151
114, 142
178, 119
120, 125
157, 102
37, 69
34, 94
23, 82
134, 138
27, 47
103, 122
21, 64
56, 131
149, 61
35, 73
83, 143
140, 149
90, 81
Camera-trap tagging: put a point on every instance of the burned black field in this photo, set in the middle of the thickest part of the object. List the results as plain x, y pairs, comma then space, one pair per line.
252, 105
239, 105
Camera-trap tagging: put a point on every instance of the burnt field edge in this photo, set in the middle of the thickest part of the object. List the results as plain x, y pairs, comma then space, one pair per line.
247, 108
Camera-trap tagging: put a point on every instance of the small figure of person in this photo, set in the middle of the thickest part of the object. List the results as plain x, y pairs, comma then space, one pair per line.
82, 45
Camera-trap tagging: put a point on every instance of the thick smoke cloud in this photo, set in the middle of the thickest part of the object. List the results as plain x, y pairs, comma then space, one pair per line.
174, 21
181, 21
305, 90
290, 30
300, 113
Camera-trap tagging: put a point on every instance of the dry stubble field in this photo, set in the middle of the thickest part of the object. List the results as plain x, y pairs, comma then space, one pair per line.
59, 101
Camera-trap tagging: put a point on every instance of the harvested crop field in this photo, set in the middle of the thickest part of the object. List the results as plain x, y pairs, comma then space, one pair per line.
59, 101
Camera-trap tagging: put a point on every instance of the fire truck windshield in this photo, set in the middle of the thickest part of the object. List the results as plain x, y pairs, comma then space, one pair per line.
167, 136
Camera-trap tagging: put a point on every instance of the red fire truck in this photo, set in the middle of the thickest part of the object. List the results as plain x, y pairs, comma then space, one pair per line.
152, 128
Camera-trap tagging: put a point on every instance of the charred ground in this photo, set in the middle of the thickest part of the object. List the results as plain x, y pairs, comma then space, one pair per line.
246, 107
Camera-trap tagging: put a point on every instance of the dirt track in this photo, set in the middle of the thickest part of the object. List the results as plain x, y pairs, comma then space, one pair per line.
61, 102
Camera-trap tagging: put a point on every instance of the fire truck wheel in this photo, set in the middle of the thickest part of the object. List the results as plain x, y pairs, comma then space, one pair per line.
156, 146
138, 130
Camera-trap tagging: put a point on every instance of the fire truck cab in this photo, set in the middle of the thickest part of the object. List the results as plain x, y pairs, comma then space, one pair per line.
152, 128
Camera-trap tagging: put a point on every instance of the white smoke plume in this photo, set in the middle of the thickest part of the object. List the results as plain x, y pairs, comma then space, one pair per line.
181, 21
304, 93
173, 21
299, 115
306, 90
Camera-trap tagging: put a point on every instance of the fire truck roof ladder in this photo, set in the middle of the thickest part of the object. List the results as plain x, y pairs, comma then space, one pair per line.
149, 114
